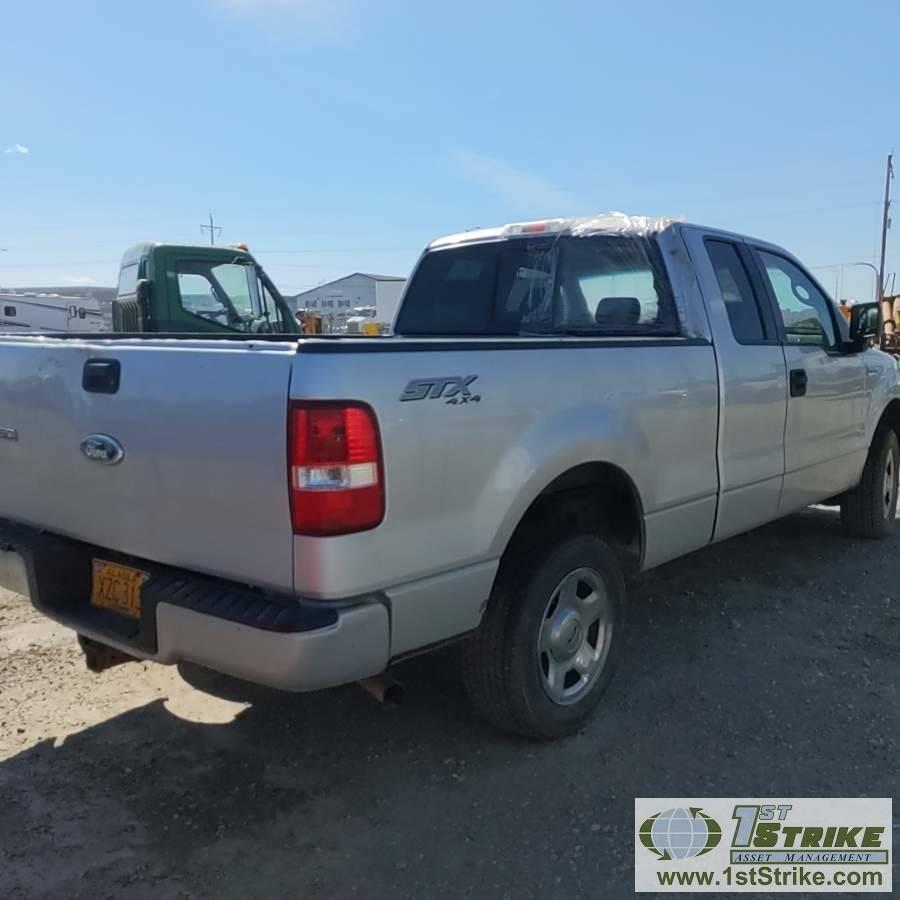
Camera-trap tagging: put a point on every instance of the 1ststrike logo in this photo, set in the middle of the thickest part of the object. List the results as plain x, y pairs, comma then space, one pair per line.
680, 833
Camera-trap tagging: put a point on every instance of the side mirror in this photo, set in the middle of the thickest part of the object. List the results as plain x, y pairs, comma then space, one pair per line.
865, 325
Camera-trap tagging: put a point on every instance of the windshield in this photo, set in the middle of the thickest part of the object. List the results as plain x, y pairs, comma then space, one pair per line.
229, 295
592, 285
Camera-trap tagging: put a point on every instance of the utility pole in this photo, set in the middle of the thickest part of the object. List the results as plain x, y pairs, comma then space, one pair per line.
885, 223
212, 228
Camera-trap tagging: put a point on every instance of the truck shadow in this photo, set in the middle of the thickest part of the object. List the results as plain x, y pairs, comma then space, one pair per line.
742, 660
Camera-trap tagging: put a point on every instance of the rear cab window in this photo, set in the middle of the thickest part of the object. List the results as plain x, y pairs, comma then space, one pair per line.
128, 278
598, 285
738, 295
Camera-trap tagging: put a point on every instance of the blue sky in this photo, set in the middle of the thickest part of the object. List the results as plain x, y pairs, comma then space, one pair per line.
341, 135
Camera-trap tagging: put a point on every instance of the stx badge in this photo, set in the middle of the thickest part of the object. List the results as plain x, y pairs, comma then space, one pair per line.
453, 389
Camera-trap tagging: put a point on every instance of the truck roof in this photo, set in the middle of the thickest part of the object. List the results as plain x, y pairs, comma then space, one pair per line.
604, 223
138, 251
613, 223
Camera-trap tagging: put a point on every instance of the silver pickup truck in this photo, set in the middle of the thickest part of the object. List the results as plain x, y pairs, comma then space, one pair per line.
563, 403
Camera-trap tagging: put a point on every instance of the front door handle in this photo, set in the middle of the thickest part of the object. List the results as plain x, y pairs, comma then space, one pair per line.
799, 381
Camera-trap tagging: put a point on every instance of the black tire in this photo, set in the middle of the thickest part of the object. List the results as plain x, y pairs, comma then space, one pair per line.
870, 509
504, 669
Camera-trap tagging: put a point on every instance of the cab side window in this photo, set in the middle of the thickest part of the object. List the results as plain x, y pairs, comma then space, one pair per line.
805, 310
737, 292
219, 293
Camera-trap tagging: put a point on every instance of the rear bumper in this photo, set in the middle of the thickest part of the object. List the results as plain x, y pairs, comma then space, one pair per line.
354, 647
278, 641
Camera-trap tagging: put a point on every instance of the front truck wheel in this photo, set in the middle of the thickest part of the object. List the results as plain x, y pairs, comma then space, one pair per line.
547, 646
870, 509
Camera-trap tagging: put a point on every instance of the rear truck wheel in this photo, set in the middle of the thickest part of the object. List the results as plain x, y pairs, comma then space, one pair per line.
870, 509
547, 646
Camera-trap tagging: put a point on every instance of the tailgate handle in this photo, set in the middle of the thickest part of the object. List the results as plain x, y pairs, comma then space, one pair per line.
101, 376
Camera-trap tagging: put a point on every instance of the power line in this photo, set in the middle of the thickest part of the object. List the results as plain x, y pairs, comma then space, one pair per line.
321, 268
346, 250
98, 262
45, 265
839, 265
816, 210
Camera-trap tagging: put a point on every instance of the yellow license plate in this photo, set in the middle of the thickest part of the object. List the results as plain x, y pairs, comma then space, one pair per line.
117, 587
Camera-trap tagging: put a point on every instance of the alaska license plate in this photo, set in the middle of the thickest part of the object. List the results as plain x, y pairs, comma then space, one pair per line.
117, 587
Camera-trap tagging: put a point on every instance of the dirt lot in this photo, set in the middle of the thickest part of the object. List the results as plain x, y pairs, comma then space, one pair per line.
766, 665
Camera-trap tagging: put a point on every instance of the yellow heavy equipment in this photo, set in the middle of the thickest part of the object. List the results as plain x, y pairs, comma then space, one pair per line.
310, 322
890, 314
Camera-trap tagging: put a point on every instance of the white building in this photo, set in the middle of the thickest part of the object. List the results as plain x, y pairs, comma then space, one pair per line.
336, 300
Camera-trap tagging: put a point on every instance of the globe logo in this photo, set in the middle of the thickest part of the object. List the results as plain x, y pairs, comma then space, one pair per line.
680, 833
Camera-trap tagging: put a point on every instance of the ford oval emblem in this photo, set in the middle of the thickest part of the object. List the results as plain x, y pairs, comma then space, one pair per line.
103, 449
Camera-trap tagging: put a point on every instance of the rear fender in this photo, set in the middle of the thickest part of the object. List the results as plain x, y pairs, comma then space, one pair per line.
556, 444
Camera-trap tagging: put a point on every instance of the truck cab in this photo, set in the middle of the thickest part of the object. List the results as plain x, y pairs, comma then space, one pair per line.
179, 288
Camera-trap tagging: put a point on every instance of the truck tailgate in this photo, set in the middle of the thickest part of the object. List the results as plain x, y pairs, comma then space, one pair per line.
202, 483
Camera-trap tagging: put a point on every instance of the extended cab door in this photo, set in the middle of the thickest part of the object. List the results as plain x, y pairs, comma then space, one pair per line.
824, 437
752, 381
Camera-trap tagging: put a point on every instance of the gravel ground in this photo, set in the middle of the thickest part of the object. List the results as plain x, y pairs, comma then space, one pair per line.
765, 665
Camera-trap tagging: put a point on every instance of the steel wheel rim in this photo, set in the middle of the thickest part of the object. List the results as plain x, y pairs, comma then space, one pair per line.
888, 486
574, 637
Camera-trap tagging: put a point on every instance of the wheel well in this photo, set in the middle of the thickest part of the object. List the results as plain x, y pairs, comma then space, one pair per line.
597, 497
891, 416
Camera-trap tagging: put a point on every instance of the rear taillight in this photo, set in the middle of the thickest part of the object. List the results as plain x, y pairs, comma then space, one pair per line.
335, 470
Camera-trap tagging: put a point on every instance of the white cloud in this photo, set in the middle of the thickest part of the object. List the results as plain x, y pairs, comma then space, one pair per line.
20, 149
79, 280
311, 19
526, 191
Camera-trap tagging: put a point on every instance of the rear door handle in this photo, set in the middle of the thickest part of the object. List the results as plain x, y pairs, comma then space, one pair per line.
101, 376
798, 381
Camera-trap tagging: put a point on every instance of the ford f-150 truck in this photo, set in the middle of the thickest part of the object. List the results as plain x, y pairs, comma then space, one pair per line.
563, 403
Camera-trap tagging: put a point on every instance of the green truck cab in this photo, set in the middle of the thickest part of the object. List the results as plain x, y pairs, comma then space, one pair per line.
184, 289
